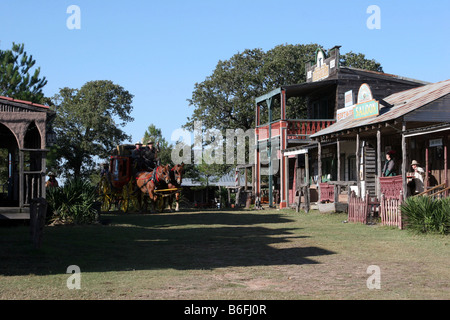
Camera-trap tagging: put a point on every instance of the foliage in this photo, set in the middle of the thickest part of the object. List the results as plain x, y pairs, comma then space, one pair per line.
15, 79
225, 99
87, 124
75, 202
427, 215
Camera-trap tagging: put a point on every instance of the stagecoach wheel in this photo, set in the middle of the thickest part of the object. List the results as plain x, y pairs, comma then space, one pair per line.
104, 195
124, 203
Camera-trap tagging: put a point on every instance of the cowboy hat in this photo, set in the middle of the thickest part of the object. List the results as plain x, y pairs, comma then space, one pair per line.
414, 162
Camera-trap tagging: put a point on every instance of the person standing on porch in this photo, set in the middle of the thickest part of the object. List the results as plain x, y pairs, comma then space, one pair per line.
416, 184
389, 165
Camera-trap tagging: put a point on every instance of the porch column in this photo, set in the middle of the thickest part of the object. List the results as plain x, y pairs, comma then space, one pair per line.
378, 187
319, 169
404, 159
358, 179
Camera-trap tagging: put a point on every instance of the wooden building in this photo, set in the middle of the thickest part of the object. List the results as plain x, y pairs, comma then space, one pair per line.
415, 123
328, 92
25, 135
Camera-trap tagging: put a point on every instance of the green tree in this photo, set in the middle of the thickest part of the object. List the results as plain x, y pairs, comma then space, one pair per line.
15, 78
226, 98
88, 124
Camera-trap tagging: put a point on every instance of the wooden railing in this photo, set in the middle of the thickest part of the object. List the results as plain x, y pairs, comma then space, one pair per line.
302, 129
391, 187
299, 129
438, 191
390, 212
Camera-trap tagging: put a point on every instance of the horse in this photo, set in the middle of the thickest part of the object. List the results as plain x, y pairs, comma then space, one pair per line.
148, 182
176, 178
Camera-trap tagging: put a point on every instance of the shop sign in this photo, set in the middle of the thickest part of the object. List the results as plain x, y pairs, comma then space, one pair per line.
344, 113
366, 110
366, 106
348, 98
322, 70
435, 142
364, 93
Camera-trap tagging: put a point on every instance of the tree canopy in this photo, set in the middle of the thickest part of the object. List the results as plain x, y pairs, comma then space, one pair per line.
226, 98
15, 78
88, 124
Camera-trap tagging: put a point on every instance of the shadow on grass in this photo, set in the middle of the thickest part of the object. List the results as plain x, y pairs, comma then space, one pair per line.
182, 241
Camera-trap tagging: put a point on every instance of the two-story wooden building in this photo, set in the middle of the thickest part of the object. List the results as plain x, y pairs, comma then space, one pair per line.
325, 96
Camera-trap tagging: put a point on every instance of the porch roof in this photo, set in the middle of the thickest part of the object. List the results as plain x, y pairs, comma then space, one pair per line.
395, 106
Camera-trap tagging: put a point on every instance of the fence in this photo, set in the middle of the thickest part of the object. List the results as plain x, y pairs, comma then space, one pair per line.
362, 209
358, 208
390, 212
326, 192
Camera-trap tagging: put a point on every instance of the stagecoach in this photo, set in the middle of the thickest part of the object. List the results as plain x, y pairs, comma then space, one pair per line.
122, 186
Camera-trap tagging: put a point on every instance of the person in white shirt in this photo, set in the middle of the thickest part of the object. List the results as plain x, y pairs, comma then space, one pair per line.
416, 184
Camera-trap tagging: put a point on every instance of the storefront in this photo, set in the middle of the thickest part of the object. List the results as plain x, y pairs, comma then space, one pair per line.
325, 98
412, 125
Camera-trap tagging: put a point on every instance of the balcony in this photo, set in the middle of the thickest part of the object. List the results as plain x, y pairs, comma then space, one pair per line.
299, 129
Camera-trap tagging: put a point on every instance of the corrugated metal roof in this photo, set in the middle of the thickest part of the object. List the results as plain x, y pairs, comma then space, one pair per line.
394, 106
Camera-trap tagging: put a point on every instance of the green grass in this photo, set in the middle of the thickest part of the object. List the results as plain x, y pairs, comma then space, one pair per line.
266, 254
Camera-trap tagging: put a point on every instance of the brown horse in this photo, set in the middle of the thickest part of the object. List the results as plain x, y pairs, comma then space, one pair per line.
176, 178
148, 182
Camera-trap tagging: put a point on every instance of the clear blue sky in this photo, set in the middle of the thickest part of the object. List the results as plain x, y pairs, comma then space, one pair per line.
158, 50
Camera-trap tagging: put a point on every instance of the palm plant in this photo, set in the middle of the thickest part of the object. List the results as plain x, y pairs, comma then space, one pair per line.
75, 202
425, 214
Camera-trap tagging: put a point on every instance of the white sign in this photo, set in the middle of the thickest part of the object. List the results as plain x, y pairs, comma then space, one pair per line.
435, 142
349, 98
344, 113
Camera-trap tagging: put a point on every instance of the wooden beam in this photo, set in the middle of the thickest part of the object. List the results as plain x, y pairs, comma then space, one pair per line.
404, 160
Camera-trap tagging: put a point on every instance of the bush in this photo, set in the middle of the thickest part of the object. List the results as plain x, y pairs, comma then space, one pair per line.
424, 214
75, 202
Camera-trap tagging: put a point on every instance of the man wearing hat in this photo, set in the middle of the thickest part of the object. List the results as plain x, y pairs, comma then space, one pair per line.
150, 155
52, 182
138, 157
416, 184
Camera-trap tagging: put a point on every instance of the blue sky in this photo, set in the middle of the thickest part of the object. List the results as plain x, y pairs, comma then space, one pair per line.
158, 50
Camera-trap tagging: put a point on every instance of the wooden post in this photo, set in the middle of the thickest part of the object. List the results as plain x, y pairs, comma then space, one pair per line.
38, 212
306, 189
319, 169
338, 176
427, 177
378, 187
357, 166
404, 159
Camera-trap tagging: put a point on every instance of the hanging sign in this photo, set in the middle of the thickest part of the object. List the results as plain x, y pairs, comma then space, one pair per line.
366, 106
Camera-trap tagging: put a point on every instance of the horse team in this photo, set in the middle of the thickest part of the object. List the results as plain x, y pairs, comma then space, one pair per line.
161, 178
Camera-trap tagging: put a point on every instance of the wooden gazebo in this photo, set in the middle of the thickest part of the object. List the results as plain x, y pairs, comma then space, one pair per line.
25, 136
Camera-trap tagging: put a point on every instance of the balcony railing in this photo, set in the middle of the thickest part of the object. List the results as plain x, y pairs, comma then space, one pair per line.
299, 129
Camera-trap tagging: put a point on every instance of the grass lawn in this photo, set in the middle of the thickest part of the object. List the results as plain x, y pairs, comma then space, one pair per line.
267, 254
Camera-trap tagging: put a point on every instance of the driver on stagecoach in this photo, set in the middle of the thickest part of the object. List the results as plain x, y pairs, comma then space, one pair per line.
150, 155
138, 157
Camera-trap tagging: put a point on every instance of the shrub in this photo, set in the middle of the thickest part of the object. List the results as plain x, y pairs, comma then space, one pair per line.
74, 202
424, 214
